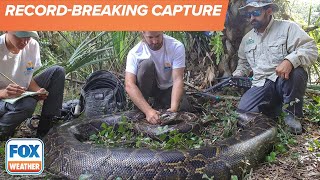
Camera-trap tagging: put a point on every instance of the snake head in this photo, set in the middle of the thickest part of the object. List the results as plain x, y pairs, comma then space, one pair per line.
169, 115
168, 118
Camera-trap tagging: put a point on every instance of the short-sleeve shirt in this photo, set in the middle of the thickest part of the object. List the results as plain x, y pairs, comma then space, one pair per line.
170, 56
19, 67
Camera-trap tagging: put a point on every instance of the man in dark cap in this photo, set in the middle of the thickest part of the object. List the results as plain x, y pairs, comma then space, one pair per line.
19, 58
278, 52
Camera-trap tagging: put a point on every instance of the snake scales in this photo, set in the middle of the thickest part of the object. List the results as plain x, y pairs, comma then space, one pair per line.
66, 156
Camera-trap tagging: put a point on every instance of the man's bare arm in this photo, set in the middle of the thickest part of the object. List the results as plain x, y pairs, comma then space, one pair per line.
177, 89
33, 86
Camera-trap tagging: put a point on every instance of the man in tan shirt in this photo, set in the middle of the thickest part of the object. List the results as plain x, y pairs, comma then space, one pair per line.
278, 52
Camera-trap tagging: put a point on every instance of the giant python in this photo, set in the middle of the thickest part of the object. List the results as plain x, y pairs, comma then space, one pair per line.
67, 157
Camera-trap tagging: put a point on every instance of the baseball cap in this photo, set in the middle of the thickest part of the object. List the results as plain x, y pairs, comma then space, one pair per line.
260, 3
22, 34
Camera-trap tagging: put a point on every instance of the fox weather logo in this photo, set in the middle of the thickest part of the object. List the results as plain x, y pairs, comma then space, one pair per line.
24, 156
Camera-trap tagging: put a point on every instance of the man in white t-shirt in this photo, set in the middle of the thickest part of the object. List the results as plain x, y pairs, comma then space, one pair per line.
155, 68
19, 58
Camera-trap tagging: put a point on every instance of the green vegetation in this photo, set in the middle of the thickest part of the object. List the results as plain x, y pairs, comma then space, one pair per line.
217, 46
312, 109
285, 141
217, 124
314, 146
124, 135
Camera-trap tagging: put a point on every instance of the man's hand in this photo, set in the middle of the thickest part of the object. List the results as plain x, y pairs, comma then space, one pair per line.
43, 95
153, 117
284, 69
172, 110
12, 91
237, 74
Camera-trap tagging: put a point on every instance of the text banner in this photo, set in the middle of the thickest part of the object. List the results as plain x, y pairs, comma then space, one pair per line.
113, 15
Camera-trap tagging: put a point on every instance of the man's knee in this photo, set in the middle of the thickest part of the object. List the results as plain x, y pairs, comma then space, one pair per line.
246, 107
294, 87
146, 67
248, 101
299, 74
25, 106
59, 71
146, 77
17, 113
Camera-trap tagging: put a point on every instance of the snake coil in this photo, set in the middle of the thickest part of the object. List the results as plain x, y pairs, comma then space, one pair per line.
67, 156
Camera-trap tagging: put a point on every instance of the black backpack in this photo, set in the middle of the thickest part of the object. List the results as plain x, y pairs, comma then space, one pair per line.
103, 93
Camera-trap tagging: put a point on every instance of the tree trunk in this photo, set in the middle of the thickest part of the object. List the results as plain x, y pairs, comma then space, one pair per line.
235, 28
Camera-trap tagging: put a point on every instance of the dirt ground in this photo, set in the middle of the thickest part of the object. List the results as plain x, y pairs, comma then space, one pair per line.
298, 163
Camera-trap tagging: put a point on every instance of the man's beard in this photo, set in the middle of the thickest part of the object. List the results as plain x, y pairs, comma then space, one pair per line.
256, 25
155, 47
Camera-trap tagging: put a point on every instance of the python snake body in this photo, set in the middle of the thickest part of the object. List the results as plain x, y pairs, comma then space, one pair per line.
67, 157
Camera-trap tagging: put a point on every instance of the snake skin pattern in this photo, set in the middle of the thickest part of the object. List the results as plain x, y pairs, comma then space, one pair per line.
67, 157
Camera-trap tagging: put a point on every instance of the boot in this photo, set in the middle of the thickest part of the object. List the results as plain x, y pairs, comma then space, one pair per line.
293, 123
45, 124
5, 137
5, 133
